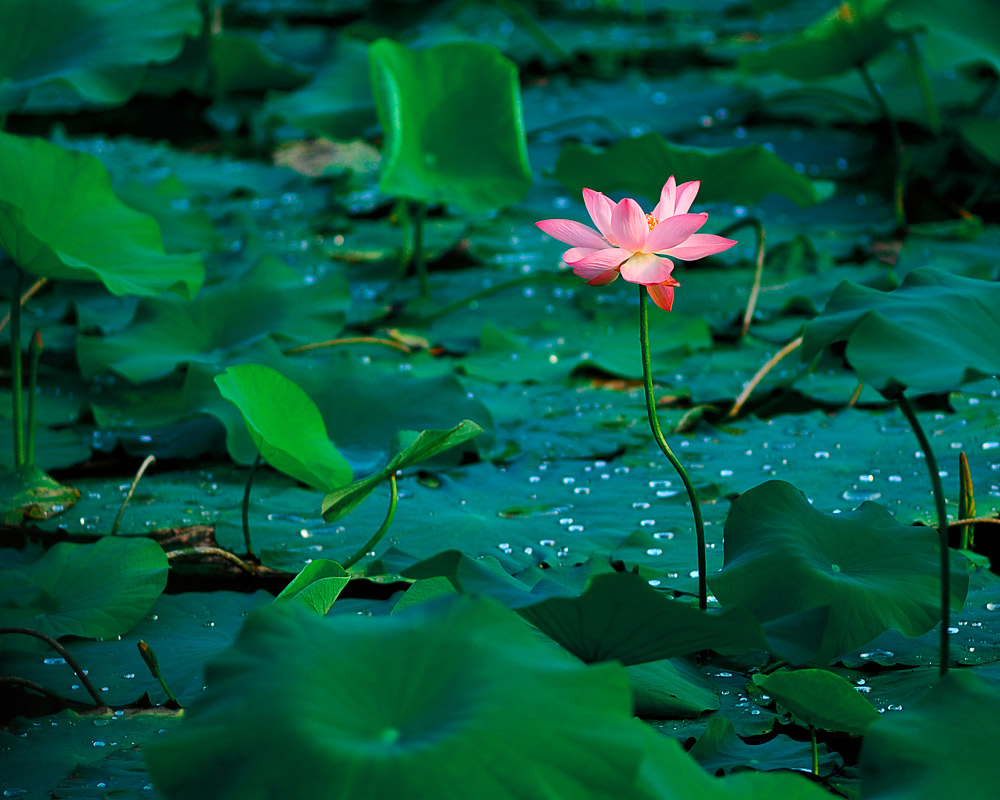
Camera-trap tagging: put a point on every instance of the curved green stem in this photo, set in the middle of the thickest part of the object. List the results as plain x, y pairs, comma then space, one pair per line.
246, 506
942, 515
654, 425
150, 459
419, 262
370, 544
815, 750
17, 379
34, 353
917, 63
897, 142
70, 661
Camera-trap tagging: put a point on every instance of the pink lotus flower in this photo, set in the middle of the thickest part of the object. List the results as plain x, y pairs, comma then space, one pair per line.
633, 244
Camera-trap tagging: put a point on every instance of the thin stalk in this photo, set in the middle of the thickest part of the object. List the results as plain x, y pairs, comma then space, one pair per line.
519, 16
70, 661
17, 379
973, 521
11, 680
402, 212
758, 276
897, 142
419, 261
857, 393
213, 551
34, 353
246, 506
756, 379
966, 501
32, 291
131, 490
347, 340
654, 425
815, 750
154, 669
917, 64
942, 515
370, 544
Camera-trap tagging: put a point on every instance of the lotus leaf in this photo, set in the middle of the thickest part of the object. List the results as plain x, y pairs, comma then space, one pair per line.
783, 556
933, 333
738, 174
451, 693
820, 699
60, 219
847, 36
902, 756
87, 590
285, 425
96, 47
317, 586
449, 139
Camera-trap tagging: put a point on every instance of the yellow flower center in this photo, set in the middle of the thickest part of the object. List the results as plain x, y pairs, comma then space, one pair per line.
651, 221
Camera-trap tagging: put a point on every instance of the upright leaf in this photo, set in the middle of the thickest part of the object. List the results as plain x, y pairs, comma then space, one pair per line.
285, 425
454, 131
60, 219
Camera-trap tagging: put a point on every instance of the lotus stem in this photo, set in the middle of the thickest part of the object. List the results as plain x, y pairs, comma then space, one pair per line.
150, 459
757, 225
12, 680
370, 544
17, 379
419, 261
348, 340
213, 551
815, 750
70, 661
966, 501
974, 521
34, 353
942, 515
761, 373
897, 142
246, 506
32, 291
153, 664
917, 63
654, 425
519, 16
856, 395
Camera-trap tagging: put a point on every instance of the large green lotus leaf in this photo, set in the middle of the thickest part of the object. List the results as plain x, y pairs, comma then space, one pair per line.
933, 333
336, 103
640, 166
820, 699
285, 425
87, 590
411, 448
849, 35
449, 139
60, 219
96, 47
902, 753
957, 33
621, 617
223, 322
452, 693
872, 572
184, 630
